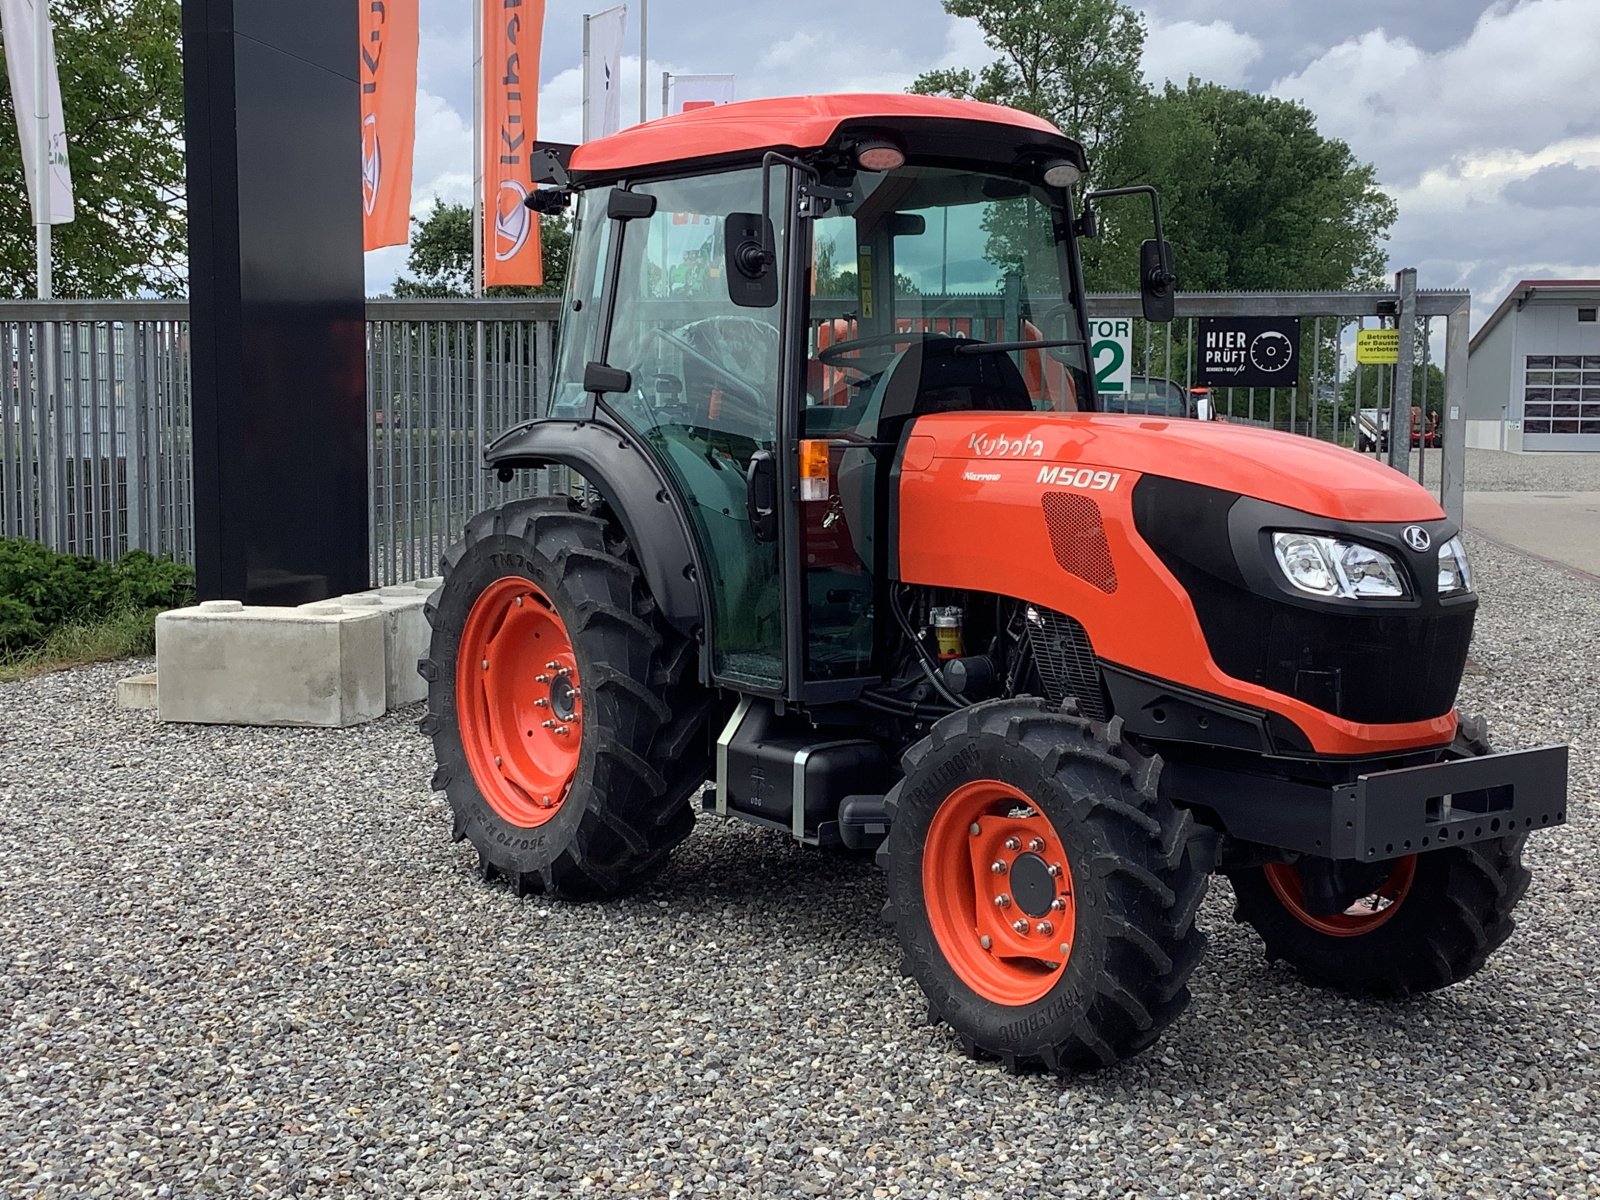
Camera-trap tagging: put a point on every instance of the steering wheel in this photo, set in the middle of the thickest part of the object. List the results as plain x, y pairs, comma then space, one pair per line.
837, 354
745, 412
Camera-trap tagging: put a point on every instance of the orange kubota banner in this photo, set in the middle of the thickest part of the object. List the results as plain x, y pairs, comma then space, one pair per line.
512, 33
389, 42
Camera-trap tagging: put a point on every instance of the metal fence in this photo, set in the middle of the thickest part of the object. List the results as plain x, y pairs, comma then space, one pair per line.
97, 456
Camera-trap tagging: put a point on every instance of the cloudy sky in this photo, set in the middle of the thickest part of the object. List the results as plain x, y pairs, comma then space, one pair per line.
1483, 118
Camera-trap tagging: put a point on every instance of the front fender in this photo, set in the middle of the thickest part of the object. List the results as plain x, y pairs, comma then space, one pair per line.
622, 470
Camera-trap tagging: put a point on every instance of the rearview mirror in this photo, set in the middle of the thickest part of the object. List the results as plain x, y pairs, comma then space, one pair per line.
1158, 283
748, 242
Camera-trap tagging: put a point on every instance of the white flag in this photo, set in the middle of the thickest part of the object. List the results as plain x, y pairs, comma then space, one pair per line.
604, 71
17, 25
685, 93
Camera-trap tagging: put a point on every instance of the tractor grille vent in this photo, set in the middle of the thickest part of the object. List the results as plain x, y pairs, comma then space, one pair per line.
1078, 537
1066, 661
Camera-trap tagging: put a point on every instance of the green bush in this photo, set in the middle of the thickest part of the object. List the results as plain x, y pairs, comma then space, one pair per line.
40, 590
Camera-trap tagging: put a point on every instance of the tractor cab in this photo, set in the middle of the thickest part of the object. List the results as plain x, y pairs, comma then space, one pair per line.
765, 296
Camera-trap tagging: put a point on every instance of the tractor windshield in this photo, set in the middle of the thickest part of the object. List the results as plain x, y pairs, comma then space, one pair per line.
930, 253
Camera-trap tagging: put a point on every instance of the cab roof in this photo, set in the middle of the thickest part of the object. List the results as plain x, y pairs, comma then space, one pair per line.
799, 123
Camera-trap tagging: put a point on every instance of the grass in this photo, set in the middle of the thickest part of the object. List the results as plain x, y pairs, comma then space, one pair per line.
127, 634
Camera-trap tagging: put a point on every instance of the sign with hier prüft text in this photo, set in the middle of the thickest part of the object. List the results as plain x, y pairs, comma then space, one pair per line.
1247, 352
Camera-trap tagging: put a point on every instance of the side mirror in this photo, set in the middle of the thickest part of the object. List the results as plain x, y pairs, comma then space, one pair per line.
748, 243
1158, 283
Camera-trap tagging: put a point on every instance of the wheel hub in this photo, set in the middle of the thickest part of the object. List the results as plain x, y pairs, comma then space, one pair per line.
1031, 885
998, 890
563, 698
518, 704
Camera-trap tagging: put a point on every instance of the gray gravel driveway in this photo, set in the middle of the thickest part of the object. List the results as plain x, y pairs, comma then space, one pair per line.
250, 962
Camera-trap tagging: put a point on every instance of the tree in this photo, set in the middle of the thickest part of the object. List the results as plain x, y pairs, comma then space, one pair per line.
441, 256
121, 69
1073, 62
1254, 197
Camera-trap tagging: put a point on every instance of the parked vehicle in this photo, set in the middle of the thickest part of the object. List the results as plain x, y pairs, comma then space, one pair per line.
1056, 667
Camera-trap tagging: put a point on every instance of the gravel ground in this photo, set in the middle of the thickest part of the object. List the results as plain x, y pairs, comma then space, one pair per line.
250, 962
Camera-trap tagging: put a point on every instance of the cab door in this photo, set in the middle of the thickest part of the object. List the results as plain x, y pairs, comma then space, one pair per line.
704, 386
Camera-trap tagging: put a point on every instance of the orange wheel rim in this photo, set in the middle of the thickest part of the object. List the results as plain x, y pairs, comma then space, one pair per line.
1363, 916
998, 890
519, 704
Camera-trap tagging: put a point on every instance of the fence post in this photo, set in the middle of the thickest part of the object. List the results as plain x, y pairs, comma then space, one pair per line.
1405, 283
1453, 455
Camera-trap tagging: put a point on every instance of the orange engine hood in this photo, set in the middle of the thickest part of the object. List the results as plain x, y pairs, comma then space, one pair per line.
1282, 468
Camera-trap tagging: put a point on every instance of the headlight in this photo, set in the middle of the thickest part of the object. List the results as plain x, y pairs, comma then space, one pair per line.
1325, 566
1455, 576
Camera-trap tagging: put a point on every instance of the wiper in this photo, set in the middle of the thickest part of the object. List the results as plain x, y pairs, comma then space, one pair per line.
1007, 347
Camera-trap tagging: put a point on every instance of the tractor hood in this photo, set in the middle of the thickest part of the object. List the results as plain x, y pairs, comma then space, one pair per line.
1281, 468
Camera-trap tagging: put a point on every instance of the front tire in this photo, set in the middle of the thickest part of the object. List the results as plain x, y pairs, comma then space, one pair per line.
1043, 892
1433, 921
567, 726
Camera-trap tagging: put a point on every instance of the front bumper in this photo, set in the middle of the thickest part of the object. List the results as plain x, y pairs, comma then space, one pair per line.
1389, 814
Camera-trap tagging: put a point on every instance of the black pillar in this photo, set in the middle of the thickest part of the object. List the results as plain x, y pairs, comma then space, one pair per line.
277, 298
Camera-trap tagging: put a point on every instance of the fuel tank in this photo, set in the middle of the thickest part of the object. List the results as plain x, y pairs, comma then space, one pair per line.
1042, 507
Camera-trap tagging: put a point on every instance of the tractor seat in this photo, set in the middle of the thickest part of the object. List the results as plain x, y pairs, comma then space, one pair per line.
930, 377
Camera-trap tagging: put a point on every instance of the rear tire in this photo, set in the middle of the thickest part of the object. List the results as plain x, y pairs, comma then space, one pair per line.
581, 818
1452, 912
1071, 795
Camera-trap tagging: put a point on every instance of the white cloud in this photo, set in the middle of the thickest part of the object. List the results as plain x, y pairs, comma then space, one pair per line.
1451, 130
1515, 81
1214, 51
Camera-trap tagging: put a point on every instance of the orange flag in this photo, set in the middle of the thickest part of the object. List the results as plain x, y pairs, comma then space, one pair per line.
389, 43
512, 33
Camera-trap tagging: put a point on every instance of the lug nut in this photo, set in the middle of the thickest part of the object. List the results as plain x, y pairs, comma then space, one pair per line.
985, 941
1044, 929
974, 829
1020, 925
1036, 844
1002, 901
486, 664
541, 679
541, 703
575, 693
549, 725
998, 867
1055, 870
1065, 949
551, 665
563, 672
1013, 843
1058, 905
562, 730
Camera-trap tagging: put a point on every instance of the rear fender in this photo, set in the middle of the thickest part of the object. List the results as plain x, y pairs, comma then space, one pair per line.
626, 474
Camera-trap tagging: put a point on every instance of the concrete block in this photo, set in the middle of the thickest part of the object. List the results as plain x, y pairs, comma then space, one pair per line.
137, 692
405, 637
222, 663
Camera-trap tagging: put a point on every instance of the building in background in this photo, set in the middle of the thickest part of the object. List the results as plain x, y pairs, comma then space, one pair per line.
1534, 378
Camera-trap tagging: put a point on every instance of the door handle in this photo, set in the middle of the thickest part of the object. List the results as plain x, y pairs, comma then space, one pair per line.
761, 496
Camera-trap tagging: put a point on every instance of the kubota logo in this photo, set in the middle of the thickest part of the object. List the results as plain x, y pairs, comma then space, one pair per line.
1417, 538
513, 222
371, 164
1026, 446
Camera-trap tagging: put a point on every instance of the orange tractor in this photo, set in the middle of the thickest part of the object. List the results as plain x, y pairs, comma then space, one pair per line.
858, 549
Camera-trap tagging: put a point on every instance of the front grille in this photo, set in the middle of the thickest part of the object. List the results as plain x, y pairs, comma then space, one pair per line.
1377, 668
1066, 661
